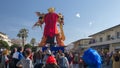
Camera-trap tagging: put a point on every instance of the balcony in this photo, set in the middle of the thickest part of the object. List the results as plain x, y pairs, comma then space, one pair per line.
105, 42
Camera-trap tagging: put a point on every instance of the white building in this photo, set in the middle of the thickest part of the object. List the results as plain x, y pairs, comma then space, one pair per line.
16, 41
80, 45
4, 37
107, 39
69, 46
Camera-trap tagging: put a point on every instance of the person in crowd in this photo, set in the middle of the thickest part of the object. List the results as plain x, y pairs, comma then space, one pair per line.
5, 59
70, 59
53, 53
60, 51
20, 55
80, 61
63, 61
31, 55
0, 57
116, 60
57, 56
26, 62
15, 57
51, 62
38, 58
47, 53
107, 58
13, 51
102, 57
12, 59
76, 61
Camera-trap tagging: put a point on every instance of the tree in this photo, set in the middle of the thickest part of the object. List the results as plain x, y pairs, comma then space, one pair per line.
14, 46
33, 41
34, 48
4, 44
27, 46
23, 34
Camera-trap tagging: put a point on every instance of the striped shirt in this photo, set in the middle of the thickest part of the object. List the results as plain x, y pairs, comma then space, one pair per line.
26, 63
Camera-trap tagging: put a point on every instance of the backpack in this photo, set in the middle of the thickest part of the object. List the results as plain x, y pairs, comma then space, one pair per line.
116, 58
62, 62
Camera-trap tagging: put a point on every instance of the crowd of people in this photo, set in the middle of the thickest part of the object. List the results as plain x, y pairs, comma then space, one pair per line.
25, 58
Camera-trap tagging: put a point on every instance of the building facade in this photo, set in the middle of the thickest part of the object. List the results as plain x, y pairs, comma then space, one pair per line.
16, 41
107, 39
81, 45
5, 38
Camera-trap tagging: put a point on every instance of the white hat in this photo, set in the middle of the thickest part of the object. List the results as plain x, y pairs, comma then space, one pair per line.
48, 52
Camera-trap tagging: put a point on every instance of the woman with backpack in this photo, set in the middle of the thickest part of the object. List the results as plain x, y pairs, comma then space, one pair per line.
116, 60
63, 61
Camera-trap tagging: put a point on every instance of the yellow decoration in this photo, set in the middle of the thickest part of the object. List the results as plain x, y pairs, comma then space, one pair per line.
51, 10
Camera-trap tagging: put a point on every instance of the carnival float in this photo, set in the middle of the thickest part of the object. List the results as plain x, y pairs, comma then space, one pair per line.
53, 37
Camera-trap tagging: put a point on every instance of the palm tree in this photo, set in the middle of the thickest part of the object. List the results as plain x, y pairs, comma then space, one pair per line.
33, 41
23, 34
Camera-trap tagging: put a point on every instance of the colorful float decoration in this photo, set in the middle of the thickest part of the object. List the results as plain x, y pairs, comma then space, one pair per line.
51, 31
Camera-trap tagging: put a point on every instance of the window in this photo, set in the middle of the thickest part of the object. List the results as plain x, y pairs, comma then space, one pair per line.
101, 39
92, 41
108, 37
118, 34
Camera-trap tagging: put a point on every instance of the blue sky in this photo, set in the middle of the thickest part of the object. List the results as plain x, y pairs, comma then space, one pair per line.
95, 16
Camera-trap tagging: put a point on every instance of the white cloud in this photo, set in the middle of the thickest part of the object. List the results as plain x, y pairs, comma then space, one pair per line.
78, 15
90, 23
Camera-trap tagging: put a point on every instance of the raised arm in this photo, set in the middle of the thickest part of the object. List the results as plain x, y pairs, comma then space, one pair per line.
61, 18
40, 19
61, 22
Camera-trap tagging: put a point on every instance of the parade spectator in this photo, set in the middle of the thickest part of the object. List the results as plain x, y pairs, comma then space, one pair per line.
15, 54
47, 53
76, 61
15, 57
107, 59
70, 59
20, 55
31, 55
116, 60
38, 58
26, 62
5, 59
13, 51
80, 61
57, 56
102, 57
63, 61
51, 62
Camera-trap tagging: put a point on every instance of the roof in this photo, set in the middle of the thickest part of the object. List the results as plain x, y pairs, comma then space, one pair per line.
82, 39
2, 33
105, 30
